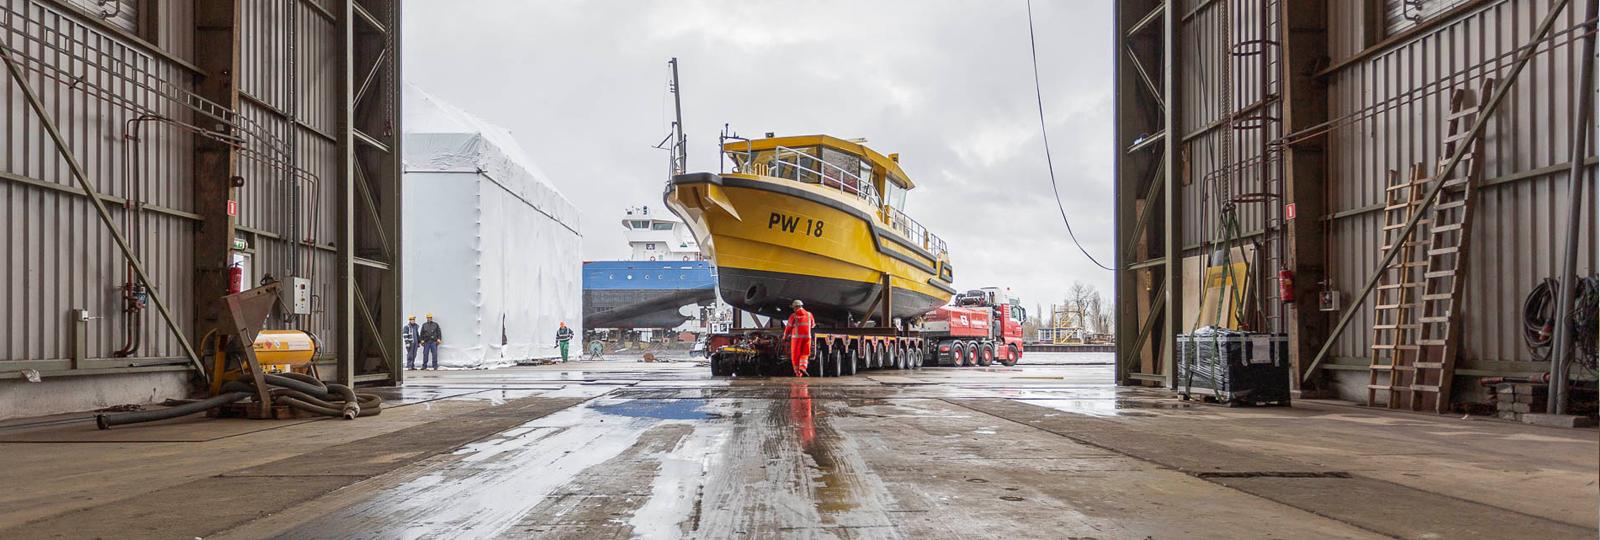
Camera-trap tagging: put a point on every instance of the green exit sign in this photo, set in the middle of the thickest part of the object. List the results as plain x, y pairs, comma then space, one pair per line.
238, 244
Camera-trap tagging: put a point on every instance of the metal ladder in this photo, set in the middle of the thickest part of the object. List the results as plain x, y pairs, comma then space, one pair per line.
1449, 229
1394, 325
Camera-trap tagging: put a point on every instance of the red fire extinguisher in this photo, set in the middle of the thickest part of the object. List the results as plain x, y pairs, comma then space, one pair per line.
235, 279
1286, 285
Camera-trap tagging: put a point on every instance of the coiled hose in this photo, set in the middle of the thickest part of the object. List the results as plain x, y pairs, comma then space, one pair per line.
1539, 319
301, 392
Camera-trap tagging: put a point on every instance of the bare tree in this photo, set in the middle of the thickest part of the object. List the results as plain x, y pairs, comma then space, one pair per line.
1079, 297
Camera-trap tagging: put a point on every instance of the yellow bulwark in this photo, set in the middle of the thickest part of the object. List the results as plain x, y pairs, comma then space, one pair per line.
814, 218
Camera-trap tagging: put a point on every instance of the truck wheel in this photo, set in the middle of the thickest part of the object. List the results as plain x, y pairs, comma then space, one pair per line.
719, 366
972, 353
1012, 355
857, 358
916, 356
847, 365
958, 353
985, 354
890, 359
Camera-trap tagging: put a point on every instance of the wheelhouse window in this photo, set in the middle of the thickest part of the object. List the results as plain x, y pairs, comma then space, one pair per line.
639, 224
661, 226
895, 196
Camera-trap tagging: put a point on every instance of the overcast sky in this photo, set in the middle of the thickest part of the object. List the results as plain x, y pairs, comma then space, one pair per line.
945, 83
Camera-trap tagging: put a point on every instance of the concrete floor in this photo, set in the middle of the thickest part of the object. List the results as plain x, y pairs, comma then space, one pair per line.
621, 449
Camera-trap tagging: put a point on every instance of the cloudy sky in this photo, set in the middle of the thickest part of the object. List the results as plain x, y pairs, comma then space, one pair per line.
945, 83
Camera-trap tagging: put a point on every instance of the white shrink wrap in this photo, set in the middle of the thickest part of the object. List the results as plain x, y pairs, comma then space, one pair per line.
491, 247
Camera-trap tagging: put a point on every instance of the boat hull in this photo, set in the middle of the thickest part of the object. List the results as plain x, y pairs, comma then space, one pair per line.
645, 294
776, 240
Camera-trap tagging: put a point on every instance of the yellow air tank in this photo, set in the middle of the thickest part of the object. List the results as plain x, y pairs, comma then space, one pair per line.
284, 348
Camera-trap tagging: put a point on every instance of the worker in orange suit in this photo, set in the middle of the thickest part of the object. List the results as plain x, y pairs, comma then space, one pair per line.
799, 334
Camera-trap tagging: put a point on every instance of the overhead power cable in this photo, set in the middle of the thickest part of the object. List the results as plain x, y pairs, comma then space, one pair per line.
1045, 133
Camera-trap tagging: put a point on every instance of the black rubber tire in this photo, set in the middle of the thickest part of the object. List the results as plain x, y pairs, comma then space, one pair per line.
819, 358
958, 353
719, 366
846, 363
916, 356
1012, 357
887, 354
972, 353
985, 354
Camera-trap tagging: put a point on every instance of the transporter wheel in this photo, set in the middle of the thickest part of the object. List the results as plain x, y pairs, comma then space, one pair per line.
830, 366
1012, 356
902, 355
819, 357
916, 355
719, 366
846, 362
985, 354
887, 354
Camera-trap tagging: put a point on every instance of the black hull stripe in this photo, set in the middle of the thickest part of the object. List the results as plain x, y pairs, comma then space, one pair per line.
941, 286
872, 226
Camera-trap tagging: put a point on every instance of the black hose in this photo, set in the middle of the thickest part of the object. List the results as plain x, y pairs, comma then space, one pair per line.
105, 421
1539, 318
301, 392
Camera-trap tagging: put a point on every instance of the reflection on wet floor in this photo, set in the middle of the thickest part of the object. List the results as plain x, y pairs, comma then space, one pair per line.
674, 453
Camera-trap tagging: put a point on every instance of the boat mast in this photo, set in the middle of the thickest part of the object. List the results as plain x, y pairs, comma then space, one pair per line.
680, 154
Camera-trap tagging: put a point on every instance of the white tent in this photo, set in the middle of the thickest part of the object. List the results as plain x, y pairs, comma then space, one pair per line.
491, 248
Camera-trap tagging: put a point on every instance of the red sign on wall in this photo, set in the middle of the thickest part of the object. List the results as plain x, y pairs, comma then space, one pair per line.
233, 207
1288, 211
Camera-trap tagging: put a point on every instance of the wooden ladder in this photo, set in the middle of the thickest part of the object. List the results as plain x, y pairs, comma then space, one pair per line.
1394, 325
1449, 229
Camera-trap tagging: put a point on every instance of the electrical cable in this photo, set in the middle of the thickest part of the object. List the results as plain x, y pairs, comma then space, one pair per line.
1049, 163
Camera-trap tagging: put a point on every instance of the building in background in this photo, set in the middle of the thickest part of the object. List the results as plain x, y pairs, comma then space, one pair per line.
262, 133
1259, 143
492, 247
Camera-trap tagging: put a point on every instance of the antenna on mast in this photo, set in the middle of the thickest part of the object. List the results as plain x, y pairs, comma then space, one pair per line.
680, 153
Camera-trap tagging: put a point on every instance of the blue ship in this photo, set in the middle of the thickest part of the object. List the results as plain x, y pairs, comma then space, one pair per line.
666, 275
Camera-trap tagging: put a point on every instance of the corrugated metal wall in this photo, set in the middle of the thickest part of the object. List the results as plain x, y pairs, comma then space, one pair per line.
62, 258
1518, 230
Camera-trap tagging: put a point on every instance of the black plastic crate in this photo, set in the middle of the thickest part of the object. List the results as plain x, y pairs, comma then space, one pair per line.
1232, 367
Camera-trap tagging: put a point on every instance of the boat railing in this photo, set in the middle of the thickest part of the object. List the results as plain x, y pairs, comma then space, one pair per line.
800, 166
914, 231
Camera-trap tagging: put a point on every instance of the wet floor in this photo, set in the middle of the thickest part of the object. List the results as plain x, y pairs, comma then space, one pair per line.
666, 451
1047, 449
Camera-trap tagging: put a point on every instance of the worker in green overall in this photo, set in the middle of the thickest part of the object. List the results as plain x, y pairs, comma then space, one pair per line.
563, 339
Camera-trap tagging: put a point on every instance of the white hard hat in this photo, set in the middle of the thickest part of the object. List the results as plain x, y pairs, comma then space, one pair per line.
796, 303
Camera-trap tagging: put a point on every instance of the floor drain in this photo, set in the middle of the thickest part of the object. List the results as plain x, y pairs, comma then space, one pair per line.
1012, 498
1274, 474
977, 480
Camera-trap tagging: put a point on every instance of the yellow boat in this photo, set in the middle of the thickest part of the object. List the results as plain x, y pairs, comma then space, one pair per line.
818, 219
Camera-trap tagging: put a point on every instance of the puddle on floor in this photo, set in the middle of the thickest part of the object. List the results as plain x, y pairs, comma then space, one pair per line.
663, 409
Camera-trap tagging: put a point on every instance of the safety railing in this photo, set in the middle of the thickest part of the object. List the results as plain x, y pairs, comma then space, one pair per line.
800, 166
916, 232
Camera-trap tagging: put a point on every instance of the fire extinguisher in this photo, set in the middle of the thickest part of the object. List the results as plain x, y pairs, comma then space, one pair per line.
1286, 285
235, 279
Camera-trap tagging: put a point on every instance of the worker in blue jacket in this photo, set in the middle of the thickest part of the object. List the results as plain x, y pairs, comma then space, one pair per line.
411, 335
